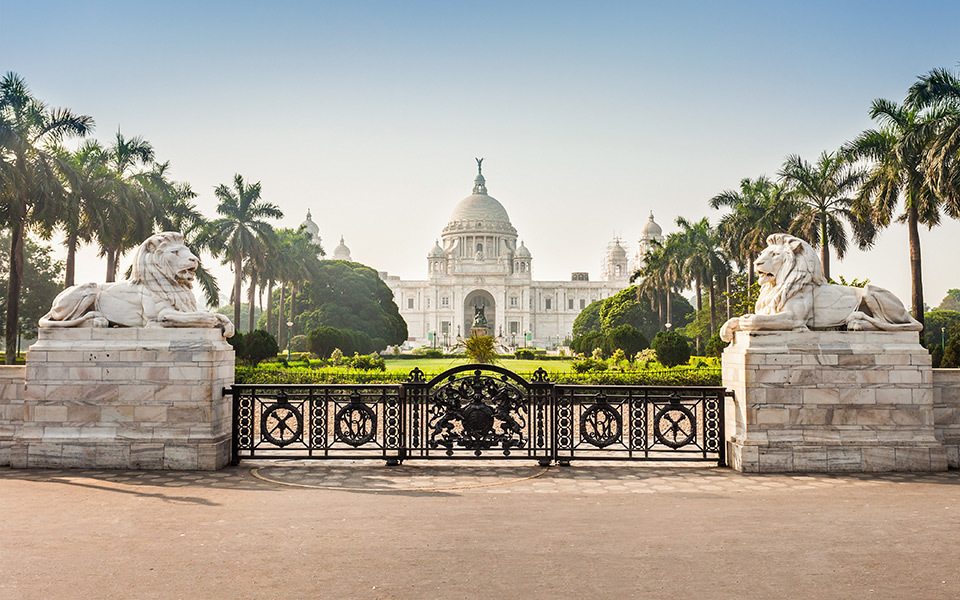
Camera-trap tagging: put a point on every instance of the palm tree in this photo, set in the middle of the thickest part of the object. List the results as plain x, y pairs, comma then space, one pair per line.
241, 231
125, 218
28, 176
760, 207
896, 154
702, 260
88, 184
938, 92
824, 196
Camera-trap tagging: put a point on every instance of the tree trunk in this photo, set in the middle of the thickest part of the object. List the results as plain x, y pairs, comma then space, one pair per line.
669, 309
729, 307
696, 281
70, 270
749, 275
713, 307
237, 279
14, 285
293, 297
269, 304
252, 299
283, 287
824, 247
112, 256
916, 275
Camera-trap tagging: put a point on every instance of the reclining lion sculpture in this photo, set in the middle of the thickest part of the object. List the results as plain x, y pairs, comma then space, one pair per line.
159, 293
795, 296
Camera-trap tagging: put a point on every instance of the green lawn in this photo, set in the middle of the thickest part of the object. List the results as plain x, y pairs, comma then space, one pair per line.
437, 365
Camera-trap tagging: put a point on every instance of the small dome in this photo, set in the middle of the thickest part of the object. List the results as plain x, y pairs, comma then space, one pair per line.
651, 229
310, 227
618, 251
341, 252
522, 252
436, 251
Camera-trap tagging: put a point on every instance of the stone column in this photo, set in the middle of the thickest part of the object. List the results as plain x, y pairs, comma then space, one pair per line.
830, 401
126, 398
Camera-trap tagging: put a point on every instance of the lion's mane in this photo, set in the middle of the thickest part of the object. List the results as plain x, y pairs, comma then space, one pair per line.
801, 267
154, 272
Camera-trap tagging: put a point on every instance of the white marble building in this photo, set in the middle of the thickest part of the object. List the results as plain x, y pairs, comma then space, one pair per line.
478, 262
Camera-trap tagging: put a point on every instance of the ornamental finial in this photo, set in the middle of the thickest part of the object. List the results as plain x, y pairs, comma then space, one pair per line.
479, 165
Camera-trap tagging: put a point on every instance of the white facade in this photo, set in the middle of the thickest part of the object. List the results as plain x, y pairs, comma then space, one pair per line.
478, 262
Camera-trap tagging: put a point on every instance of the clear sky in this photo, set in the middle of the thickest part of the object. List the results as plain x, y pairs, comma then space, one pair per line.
590, 115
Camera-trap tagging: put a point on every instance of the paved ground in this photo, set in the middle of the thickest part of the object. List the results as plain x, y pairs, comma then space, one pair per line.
361, 530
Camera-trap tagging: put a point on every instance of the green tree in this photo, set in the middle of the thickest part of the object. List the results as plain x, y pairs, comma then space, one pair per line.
40, 282
627, 338
30, 187
672, 348
242, 230
938, 94
228, 310
951, 301
349, 296
940, 325
322, 341
824, 195
481, 349
588, 320
259, 345
895, 156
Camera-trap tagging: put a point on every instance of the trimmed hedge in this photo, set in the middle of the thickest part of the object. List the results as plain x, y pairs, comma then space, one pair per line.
677, 377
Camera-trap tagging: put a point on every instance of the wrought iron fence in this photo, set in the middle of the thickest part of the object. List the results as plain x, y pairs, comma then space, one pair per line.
478, 411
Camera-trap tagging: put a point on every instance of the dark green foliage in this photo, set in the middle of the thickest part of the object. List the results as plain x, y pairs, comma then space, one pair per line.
626, 338
524, 353
237, 342
588, 320
586, 343
936, 356
715, 345
951, 301
672, 348
429, 352
41, 282
481, 349
951, 354
322, 341
258, 345
934, 320
349, 296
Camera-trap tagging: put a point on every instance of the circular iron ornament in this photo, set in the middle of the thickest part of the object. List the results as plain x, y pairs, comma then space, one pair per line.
601, 425
355, 424
281, 424
674, 425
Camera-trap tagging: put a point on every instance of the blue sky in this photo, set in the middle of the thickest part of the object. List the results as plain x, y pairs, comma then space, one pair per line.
589, 114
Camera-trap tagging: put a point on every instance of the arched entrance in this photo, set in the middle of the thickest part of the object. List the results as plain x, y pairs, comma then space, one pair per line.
479, 299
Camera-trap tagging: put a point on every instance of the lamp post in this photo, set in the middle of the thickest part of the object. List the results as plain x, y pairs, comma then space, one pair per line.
668, 325
289, 337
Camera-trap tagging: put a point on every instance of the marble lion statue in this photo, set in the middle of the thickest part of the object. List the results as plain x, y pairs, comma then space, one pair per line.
795, 296
159, 293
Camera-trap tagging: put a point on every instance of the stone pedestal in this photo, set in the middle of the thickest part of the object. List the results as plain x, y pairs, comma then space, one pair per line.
830, 401
126, 398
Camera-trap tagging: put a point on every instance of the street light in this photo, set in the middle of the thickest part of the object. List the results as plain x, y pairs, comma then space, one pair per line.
289, 337
668, 325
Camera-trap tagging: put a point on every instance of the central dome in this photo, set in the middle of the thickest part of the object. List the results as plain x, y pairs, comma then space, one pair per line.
480, 208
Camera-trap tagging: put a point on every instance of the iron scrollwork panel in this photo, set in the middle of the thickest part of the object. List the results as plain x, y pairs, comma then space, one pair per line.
478, 412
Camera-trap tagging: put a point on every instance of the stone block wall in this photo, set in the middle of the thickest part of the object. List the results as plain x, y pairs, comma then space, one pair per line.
830, 401
125, 398
11, 408
946, 412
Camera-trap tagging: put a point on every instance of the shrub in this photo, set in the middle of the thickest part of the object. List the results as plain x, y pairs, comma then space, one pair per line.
237, 342
524, 353
672, 348
618, 356
428, 352
588, 365
597, 354
258, 345
298, 343
323, 340
936, 356
480, 349
336, 357
715, 345
627, 338
646, 356
370, 362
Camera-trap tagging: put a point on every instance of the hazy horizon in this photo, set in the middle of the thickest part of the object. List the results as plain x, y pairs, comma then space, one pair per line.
589, 117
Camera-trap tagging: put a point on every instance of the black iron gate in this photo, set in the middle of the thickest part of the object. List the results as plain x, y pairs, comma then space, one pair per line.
478, 411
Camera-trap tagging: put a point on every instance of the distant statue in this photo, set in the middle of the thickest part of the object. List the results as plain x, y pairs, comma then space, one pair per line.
479, 165
479, 318
479, 255
159, 293
795, 296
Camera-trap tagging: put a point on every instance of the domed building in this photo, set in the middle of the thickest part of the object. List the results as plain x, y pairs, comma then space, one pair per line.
341, 252
478, 265
310, 227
